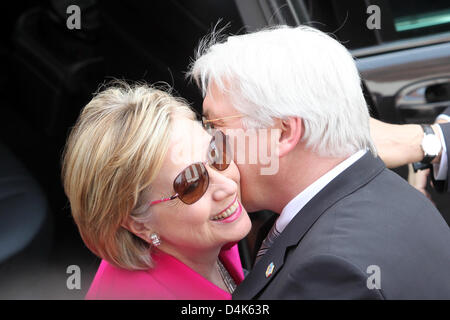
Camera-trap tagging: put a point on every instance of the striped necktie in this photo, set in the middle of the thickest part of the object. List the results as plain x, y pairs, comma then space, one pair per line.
267, 242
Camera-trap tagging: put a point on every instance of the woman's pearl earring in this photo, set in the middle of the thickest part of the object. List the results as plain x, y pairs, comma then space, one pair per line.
156, 241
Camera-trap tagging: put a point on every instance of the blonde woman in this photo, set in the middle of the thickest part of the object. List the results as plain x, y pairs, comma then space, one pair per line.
155, 196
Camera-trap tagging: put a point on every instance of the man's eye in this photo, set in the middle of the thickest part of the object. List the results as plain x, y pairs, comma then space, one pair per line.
206, 124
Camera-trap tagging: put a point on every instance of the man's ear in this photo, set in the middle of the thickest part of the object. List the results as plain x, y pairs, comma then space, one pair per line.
292, 130
139, 229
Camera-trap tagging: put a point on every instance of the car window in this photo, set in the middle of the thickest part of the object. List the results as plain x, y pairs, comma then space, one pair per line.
397, 21
420, 17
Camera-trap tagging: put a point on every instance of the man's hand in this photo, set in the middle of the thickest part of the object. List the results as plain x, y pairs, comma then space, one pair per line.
399, 145
419, 180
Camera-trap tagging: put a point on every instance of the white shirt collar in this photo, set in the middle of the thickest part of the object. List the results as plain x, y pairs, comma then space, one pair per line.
297, 203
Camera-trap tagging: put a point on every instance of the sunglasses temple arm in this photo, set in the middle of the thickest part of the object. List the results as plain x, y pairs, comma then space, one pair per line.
164, 200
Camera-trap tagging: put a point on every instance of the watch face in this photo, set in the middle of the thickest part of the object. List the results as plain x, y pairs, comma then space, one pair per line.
431, 145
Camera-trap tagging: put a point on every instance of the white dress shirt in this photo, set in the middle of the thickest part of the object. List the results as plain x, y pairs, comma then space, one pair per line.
440, 169
296, 204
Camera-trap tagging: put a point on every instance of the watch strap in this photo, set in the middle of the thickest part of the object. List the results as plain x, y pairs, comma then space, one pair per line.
427, 129
420, 166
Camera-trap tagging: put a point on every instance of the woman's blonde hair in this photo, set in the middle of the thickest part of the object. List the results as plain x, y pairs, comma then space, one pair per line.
112, 155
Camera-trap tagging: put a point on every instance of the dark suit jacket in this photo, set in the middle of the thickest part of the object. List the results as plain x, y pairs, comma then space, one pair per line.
367, 216
442, 185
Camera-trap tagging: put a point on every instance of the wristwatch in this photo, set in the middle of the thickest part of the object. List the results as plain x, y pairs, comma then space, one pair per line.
431, 147
431, 144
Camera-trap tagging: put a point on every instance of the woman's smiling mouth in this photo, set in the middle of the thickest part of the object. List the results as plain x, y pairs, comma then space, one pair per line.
231, 210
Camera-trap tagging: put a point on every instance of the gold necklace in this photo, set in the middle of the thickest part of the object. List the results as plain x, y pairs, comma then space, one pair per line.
227, 279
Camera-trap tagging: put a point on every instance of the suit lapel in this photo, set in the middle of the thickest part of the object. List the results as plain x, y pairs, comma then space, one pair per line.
353, 178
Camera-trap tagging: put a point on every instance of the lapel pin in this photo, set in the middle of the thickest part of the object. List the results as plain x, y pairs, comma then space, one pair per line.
269, 269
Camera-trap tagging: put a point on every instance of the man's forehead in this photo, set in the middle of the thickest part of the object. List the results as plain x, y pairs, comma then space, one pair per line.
215, 102
208, 107
216, 107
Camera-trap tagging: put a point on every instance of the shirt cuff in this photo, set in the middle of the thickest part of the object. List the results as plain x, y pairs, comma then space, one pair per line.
444, 117
440, 169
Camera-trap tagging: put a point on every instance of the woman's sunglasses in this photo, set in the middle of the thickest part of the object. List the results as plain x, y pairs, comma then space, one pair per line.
191, 183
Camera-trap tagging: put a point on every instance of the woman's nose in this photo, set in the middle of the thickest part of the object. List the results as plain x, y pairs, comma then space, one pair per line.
223, 185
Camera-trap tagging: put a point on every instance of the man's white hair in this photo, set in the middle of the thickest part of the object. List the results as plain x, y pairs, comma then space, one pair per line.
286, 72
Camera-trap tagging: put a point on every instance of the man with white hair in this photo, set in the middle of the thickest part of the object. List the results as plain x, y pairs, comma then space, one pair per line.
348, 228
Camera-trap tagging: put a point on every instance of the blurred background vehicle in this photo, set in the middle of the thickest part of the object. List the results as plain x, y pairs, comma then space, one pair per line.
50, 72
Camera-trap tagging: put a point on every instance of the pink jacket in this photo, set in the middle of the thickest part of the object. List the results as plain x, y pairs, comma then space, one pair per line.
170, 279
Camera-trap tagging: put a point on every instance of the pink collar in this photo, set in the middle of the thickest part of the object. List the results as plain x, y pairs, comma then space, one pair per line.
174, 275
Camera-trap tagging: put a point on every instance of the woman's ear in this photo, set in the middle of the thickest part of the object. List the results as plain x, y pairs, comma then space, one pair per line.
138, 228
292, 130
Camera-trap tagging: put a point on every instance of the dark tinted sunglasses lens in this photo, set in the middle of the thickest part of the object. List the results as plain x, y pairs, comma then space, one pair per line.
191, 183
220, 151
